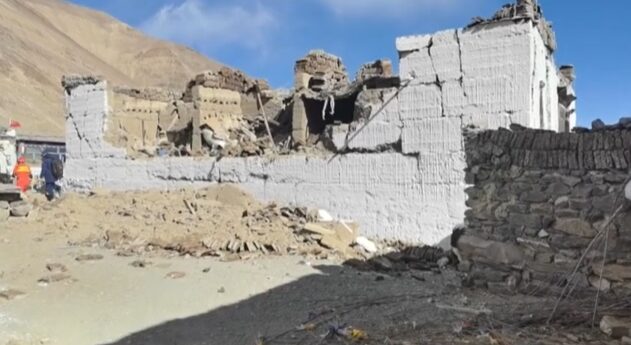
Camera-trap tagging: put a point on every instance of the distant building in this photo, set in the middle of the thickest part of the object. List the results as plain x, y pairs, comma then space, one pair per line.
32, 147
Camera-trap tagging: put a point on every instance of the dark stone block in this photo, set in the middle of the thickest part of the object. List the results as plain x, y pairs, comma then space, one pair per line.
579, 204
582, 191
615, 178
567, 213
605, 203
598, 125
524, 220
561, 241
625, 122
534, 196
557, 189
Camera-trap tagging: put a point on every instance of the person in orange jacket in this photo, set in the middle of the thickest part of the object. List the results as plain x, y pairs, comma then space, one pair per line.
22, 174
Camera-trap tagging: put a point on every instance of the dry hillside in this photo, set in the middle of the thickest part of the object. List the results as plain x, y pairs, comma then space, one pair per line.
41, 40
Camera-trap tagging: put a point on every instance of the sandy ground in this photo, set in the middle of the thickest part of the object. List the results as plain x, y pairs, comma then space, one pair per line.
266, 299
108, 299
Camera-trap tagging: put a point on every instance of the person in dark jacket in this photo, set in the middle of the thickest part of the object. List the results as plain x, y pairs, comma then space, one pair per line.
51, 188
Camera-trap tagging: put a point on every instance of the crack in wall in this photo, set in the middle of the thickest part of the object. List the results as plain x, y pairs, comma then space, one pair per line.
79, 135
462, 76
438, 83
534, 74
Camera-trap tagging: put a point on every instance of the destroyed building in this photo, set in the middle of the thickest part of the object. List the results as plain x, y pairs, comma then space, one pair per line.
385, 150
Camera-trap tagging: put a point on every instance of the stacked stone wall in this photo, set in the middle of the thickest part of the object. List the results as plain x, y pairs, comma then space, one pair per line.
539, 198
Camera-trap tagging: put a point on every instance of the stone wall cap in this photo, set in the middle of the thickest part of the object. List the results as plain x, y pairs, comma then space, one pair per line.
73, 81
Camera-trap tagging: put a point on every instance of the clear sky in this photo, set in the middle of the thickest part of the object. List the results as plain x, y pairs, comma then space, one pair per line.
265, 37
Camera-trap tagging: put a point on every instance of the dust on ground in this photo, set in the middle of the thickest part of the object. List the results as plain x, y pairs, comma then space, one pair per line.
74, 291
221, 221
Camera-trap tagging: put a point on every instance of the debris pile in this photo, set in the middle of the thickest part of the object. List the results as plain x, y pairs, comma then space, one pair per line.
219, 221
378, 69
400, 257
320, 71
522, 10
12, 204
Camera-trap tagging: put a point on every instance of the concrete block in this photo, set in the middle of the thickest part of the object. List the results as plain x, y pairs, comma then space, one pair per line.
420, 101
497, 67
501, 93
412, 43
375, 136
445, 55
417, 65
436, 135
441, 168
456, 101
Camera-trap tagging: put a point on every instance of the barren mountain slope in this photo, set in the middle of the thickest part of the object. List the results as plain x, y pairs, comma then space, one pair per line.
41, 40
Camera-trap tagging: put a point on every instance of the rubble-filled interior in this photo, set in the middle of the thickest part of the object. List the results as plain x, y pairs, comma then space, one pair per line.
227, 113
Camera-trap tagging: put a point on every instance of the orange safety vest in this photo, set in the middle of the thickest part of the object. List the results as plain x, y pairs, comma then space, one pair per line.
22, 173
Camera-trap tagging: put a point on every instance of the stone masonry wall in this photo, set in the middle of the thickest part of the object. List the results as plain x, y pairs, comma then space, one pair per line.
537, 200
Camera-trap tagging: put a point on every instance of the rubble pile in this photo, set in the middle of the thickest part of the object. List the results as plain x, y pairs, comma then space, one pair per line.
401, 258
320, 71
150, 94
225, 78
540, 198
12, 205
219, 221
520, 10
378, 69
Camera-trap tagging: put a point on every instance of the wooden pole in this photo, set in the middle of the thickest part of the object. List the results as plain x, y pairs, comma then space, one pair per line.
262, 109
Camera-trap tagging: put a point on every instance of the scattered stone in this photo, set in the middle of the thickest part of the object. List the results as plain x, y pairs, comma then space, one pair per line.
613, 272
20, 208
54, 278
56, 268
490, 251
221, 290
175, 275
464, 266
206, 270
140, 263
575, 226
4, 205
598, 125
366, 244
443, 262
324, 216
543, 234
4, 214
604, 285
615, 327
11, 294
89, 257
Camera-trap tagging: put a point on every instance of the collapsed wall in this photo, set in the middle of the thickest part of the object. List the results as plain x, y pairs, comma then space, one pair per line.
397, 161
539, 198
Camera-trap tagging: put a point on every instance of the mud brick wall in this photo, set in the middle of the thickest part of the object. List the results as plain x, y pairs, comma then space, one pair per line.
538, 198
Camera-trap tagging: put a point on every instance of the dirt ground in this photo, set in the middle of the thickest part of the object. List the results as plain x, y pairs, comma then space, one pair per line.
69, 291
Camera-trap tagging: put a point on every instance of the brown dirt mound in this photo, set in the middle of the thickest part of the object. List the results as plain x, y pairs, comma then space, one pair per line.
216, 221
